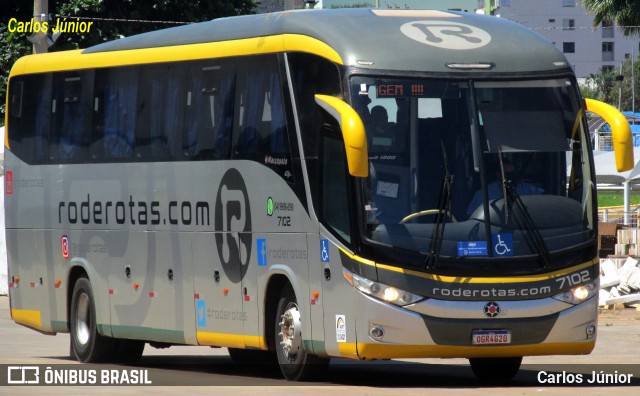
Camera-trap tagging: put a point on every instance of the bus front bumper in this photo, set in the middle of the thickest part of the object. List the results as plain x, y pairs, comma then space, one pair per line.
444, 329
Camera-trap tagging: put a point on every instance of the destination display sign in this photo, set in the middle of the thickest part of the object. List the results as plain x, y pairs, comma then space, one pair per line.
401, 90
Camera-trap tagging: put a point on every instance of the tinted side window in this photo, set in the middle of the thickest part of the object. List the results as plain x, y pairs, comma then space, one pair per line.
29, 110
261, 132
70, 117
161, 103
209, 106
312, 75
334, 183
114, 114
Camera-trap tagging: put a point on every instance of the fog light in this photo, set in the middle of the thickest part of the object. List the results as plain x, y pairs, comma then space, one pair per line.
591, 330
376, 332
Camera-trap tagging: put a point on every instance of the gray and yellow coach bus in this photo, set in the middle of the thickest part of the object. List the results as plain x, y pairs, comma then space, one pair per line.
363, 184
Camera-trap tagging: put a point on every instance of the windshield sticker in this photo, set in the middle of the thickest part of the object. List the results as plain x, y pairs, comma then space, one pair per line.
473, 248
502, 244
446, 34
386, 189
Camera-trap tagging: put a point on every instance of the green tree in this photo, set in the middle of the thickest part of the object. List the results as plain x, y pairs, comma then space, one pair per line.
112, 19
14, 45
625, 13
623, 88
600, 86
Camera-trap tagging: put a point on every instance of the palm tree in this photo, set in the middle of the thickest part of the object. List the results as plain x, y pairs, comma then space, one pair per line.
625, 13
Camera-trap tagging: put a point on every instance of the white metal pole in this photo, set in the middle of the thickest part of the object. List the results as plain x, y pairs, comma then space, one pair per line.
627, 201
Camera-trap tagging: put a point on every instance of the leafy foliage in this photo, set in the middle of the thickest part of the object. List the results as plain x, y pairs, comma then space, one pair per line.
602, 84
625, 13
607, 86
625, 86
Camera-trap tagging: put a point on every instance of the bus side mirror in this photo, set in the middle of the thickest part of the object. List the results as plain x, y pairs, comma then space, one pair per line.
353, 134
620, 132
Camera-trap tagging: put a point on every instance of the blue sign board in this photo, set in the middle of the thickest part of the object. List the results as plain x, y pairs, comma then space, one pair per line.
201, 313
502, 244
324, 251
262, 252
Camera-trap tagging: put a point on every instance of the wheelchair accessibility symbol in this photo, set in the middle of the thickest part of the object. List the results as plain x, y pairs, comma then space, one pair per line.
324, 251
502, 244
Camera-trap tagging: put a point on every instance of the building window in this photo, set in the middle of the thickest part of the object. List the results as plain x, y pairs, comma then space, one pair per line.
607, 51
568, 24
608, 68
552, 21
568, 3
627, 56
569, 47
607, 28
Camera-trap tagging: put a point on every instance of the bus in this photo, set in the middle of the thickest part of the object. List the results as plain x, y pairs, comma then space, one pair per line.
300, 186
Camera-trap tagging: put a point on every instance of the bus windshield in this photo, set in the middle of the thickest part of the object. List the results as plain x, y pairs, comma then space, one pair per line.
462, 171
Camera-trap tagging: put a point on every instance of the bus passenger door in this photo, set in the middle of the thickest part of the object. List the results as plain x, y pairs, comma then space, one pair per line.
336, 212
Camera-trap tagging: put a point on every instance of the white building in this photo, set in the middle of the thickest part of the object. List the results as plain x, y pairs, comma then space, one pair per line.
568, 25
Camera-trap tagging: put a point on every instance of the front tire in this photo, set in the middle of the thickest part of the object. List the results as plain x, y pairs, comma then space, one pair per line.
87, 345
295, 363
495, 369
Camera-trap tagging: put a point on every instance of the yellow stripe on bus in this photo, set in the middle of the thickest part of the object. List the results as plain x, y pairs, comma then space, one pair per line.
76, 60
463, 279
395, 351
27, 317
231, 340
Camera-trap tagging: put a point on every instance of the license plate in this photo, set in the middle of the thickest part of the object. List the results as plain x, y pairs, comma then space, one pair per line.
491, 337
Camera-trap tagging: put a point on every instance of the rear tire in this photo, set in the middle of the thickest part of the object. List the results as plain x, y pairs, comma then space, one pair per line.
495, 369
295, 363
87, 345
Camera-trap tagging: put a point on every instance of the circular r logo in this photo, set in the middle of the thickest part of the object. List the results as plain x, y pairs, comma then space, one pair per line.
233, 225
446, 34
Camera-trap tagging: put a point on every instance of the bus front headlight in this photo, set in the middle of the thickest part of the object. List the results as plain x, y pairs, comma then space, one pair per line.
381, 291
579, 293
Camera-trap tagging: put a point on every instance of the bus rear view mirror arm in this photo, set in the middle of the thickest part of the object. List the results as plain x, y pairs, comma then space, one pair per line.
353, 133
620, 132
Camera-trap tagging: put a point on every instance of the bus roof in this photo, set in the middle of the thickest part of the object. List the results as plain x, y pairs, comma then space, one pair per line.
407, 40
392, 40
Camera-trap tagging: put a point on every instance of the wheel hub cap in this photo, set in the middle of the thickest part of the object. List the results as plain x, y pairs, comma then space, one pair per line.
290, 333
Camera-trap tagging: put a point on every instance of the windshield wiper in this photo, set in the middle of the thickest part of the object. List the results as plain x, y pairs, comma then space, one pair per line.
525, 222
444, 207
505, 206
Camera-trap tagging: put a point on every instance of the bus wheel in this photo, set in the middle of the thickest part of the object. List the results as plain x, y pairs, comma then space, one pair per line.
86, 343
495, 369
295, 363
